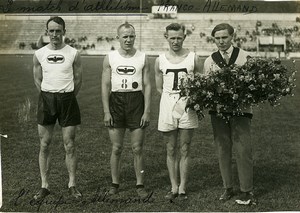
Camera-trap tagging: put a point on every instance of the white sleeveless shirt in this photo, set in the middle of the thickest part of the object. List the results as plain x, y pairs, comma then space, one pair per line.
57, 68
127, 73
172, 73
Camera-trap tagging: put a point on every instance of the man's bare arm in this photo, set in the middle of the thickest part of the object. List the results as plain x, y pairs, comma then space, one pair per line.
106, 88
158, 77
37, 73
77, 70
147, 94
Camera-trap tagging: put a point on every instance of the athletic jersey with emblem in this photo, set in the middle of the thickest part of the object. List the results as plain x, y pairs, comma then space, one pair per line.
172, 73
127, 73
57, 68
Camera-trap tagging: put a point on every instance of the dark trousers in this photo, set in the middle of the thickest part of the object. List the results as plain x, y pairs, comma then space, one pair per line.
235, 133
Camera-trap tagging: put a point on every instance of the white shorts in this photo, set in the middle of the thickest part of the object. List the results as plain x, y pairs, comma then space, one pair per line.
172, 114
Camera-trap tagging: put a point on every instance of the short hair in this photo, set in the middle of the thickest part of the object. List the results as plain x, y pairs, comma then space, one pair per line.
125, 25
222, 26
57, 20
176, 27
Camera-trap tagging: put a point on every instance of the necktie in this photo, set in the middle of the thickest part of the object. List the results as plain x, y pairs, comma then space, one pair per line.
226, 57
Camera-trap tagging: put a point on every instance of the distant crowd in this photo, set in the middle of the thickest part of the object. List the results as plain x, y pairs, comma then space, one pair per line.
247, 41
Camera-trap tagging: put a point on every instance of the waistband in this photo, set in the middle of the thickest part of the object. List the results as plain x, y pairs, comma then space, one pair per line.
57, 93
130, 92
245, 114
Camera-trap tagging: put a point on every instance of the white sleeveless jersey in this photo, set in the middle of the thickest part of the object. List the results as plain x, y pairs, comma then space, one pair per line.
57, 68
127, 73
172, 73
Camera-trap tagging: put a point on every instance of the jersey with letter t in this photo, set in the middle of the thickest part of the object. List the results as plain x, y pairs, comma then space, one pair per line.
172, 73
127, 73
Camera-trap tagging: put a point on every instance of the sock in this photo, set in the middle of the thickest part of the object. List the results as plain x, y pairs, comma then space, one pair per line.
116, 185
139, 186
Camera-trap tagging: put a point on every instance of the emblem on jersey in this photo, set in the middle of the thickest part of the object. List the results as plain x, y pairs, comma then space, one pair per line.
55, 59
125, 70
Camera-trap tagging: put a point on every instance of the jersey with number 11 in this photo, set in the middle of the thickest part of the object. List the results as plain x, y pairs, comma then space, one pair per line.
127, 73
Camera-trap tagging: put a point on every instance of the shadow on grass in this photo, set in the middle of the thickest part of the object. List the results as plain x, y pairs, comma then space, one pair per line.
272, 177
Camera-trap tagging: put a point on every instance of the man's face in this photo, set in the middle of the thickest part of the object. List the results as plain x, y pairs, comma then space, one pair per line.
55, 32
223, 39
126, 38
175, 39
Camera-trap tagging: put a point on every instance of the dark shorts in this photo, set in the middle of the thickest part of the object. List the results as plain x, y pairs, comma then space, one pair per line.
127, 109
58, 106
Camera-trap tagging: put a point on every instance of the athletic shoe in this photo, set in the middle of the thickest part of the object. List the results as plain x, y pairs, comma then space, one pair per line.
41, 194
246, 198
171, 196
73, 192
228, 193
182, 196
142, 193
113, 190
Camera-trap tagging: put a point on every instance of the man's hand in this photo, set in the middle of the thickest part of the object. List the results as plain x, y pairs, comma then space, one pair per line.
108, 120
145, 121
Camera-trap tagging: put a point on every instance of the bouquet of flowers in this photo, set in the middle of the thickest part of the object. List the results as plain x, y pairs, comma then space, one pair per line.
234, 88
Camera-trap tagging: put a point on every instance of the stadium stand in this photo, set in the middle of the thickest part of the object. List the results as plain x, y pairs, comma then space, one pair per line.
96, 34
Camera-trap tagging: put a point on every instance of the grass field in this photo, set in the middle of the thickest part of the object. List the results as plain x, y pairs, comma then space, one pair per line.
275, 137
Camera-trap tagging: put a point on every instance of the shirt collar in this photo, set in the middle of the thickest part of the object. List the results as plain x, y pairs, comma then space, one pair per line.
229, 51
